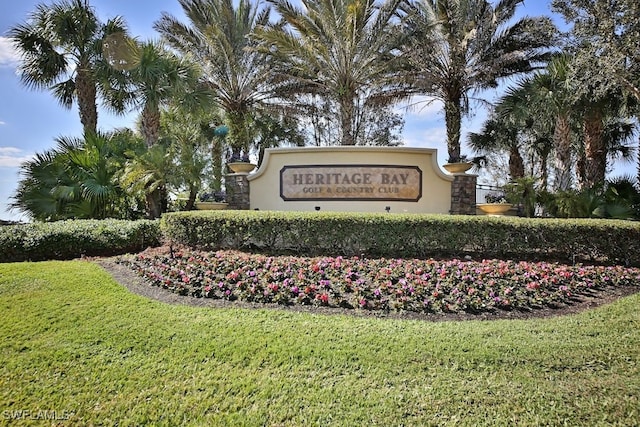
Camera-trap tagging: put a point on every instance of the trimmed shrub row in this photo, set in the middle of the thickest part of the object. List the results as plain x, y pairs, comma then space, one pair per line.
74, 238
308, 234
402, 236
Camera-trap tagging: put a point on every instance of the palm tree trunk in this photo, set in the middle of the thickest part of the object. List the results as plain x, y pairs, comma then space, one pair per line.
544, 170
154, 204
150, 125
581, 171
453, 121
191, 201
238, 132
164, 199
516, 163
86, 93
346, 120
594, 148
638, 160
562, 143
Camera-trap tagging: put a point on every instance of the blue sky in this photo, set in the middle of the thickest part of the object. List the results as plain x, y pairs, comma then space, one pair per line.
31, 120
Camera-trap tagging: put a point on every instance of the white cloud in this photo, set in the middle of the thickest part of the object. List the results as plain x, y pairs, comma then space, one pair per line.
12, 157
9, 150
9, 56
2, 123
432, 137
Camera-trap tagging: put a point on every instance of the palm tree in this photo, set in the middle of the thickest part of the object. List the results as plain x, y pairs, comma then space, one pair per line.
606, 128
345, 51
545, 97
218, 39
189, 136
76, 179
604, 36
95, 190
583, 105
36, 193
497, 136
61, 48
585, 132
553, 93
521, 128
151, 173
606, 135
460, 46
157, 78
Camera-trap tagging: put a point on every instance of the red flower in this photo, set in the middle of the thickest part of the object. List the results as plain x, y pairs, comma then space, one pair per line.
323, 298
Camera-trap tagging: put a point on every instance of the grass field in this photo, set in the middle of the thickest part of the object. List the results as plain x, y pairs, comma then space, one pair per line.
77, 346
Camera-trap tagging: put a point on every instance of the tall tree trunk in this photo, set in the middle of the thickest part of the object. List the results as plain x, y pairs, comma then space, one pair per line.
638, 161
562, 144
193, 194
238, 132
453, 121
150, 132
581, 171
154, 204
594, 148
86, 95
164, 199
346, 119
544, 170
157, 202
516, 163
150, 124
191, 201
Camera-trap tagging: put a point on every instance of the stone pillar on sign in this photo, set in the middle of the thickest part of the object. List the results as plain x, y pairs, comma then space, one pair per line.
463, 194
237, 188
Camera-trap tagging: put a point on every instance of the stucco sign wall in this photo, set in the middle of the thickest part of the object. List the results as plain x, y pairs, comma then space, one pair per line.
351, 179
351, 182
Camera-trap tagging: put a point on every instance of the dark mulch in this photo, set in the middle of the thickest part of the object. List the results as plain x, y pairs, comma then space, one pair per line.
137, 285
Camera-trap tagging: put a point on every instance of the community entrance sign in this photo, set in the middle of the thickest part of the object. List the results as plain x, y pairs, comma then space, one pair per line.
351, 179
351, 182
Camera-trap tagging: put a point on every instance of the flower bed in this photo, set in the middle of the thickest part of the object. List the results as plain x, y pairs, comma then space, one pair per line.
427, 286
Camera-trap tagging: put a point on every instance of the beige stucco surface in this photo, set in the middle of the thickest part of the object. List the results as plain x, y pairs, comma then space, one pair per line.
266, 191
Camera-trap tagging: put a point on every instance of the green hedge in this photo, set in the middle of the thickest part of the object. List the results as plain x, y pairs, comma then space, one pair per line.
566, 240
74, 238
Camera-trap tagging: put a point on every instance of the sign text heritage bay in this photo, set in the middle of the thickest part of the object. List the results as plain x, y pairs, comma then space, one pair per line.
351, 182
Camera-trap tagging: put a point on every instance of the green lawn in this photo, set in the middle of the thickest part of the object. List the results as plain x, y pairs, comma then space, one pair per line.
74, 343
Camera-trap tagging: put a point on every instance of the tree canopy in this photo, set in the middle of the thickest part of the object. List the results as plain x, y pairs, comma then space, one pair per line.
321, 72
61, 47
461, 46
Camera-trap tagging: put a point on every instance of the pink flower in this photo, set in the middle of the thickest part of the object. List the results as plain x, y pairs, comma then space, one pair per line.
421, 285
